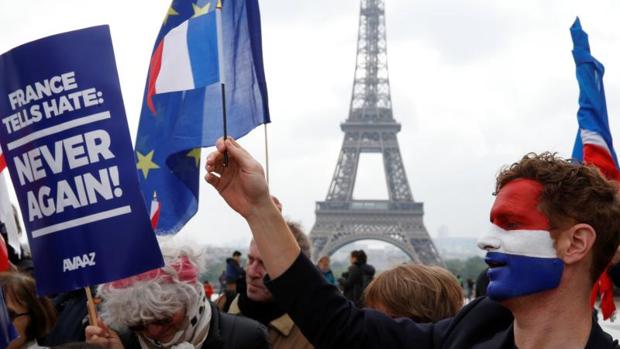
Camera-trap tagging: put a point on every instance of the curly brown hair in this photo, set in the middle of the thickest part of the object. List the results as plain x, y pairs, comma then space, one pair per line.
573, 193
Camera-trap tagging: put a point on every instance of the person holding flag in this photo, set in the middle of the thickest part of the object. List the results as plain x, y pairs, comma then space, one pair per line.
206, 80
554, 231
594, 144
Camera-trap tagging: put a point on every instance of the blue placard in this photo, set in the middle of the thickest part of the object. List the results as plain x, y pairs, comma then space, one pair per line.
66, 142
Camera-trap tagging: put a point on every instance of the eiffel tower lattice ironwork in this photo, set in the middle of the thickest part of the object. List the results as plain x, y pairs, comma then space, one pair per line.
371, 128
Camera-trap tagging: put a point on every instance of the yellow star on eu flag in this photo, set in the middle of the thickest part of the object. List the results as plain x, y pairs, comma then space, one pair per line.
195, 153
171, 12
199, 11
145, 163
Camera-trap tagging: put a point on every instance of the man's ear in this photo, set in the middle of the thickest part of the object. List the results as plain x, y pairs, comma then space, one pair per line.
575, 243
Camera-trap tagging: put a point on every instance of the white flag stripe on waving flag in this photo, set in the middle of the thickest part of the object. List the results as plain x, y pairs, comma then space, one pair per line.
7, 217
155, 209
176, 68
591, 137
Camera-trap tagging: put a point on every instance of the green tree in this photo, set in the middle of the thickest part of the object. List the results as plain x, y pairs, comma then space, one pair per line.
467, 269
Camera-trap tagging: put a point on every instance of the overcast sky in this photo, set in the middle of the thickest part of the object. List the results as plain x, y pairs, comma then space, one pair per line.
476, 84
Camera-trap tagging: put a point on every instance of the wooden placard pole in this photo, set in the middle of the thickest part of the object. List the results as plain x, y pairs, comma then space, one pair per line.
90, 305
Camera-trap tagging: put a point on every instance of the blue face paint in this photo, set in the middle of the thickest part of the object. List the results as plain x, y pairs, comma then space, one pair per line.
514, 276
521, 253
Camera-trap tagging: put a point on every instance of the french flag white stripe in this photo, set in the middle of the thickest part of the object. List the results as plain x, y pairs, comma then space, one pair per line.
529, 243
7, 217
591, 137
176, 68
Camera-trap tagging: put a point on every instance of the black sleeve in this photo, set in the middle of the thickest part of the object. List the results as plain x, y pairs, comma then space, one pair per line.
329, 320
614, 274
353, 276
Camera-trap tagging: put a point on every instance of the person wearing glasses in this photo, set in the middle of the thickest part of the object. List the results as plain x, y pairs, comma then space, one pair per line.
32, 316
167, 308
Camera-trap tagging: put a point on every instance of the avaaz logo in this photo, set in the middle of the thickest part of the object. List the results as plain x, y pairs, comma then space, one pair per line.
78, 262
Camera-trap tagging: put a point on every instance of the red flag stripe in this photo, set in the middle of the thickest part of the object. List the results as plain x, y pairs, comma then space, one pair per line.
155, 209
601, 158
153, 74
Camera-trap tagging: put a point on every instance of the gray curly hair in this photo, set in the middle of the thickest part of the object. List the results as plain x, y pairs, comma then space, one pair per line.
138, 300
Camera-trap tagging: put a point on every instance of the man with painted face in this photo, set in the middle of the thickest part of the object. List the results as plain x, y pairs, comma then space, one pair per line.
554, 231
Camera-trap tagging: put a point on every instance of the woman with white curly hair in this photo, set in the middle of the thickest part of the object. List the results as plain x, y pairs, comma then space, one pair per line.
167, 308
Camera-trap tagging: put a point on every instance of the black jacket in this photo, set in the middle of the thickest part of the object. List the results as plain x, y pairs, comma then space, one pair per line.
328, 320
72, 319
355, 281
225, 332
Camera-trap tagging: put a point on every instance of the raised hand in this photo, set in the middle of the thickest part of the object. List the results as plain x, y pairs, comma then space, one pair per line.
243, 186
242, 183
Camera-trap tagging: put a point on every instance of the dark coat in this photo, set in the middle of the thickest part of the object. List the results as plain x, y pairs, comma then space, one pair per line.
225, 332
72, 319
330, 321
234, 272
355, 281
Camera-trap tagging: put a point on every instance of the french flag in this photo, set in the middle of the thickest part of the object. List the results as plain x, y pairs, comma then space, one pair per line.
185, 59
594, 144
2, 161
155, 210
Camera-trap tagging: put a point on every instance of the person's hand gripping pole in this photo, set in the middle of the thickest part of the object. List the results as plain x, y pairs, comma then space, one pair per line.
243, 186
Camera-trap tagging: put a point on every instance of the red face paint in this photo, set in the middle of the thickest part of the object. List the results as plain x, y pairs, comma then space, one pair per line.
522, 259
516, 206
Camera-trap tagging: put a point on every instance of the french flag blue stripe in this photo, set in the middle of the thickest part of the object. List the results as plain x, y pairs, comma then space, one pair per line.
202, 47
522, 275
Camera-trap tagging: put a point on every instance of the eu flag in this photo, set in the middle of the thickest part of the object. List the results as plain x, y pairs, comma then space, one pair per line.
182, 105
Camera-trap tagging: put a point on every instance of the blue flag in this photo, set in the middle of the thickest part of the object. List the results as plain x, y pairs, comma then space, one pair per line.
593, 143
7, 330
182, 107
68, 150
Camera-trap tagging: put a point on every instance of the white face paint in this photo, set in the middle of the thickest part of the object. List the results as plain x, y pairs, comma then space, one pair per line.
521, 262
529, 243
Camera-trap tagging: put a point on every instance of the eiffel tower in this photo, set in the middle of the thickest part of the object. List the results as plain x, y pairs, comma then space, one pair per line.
371, 128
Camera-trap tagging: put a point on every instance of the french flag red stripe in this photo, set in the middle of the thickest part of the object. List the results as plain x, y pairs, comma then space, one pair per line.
155, 209
601, 158
153, 74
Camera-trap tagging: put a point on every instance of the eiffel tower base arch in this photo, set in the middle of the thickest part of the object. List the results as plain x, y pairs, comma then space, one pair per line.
403, 229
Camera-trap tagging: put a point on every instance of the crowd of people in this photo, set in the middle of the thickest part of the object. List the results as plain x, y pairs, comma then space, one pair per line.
553, 232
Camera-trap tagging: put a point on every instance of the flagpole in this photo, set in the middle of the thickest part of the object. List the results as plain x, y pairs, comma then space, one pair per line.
220, 60
90, 305
266, 154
